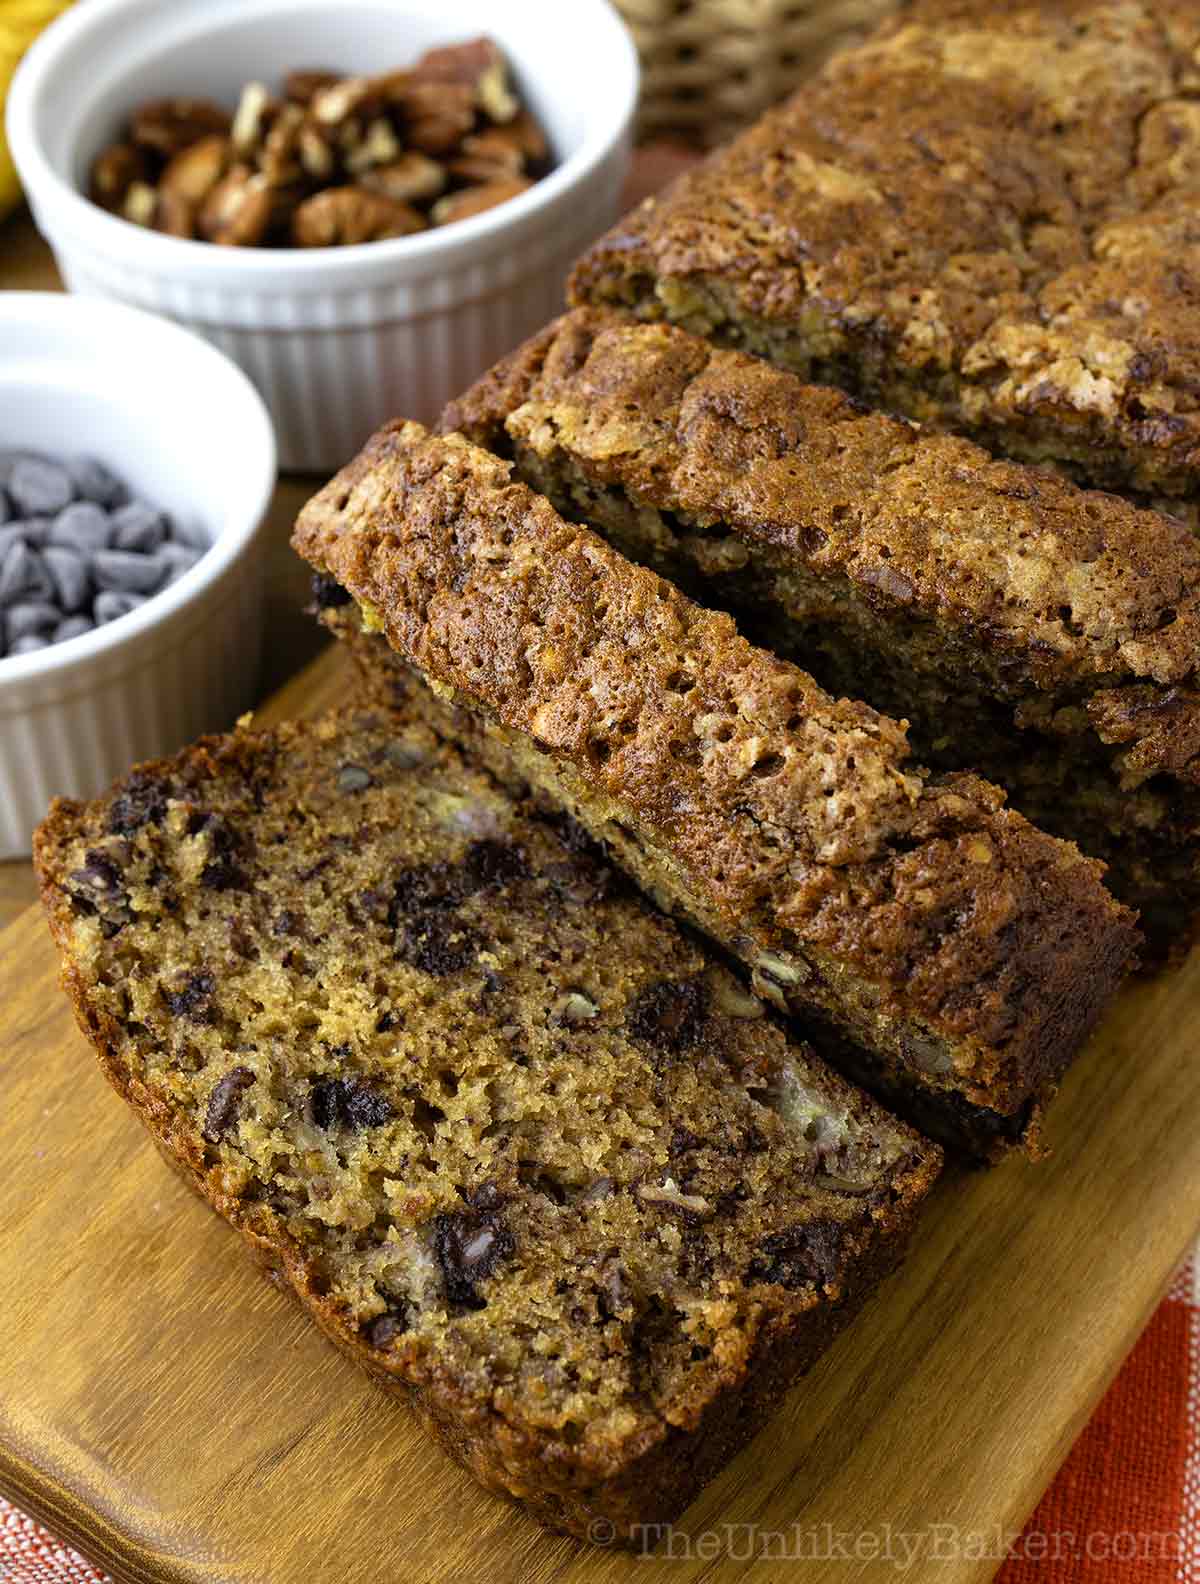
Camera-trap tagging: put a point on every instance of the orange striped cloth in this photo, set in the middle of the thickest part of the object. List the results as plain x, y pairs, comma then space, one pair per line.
1125, 1508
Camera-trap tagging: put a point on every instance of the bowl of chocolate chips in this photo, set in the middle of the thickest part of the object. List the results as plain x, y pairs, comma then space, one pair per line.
136, 467
364, 204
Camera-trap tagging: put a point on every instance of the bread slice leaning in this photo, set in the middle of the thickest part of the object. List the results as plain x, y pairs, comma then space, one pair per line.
956, 955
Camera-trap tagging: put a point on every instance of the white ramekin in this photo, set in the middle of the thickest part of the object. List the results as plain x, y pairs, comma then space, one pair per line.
336, 339
185, 428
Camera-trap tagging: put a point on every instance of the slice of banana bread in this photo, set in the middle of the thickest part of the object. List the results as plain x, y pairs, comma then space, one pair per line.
965, 951
983, 217
517, 1142
1047, 636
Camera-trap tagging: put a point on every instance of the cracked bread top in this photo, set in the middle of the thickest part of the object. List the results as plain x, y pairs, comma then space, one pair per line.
1077, 594
792, 811
998, 202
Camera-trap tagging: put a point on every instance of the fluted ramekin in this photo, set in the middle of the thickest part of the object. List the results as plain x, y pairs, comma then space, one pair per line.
185, 428
337, 340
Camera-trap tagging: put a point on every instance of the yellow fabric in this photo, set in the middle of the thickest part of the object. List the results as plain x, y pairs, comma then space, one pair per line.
20, 23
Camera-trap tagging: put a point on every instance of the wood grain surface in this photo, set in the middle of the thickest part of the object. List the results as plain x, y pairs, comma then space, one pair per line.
171, 1413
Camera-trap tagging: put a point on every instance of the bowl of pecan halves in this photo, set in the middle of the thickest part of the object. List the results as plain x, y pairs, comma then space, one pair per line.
363, 202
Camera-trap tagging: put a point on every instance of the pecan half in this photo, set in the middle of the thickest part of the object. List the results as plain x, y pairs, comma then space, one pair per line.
193, 173
168, 125
437, 116
239, 210
343, 216
407, 179
300, 85
114, 171
481, 67
378, 146
474, 200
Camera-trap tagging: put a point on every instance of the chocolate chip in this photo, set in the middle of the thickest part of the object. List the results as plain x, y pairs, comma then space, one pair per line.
73, 627
353, 778
224, 1102
92, 481
96, 888
493, 863
193, 999
223, 871
137, 527
323, 1103
347, 1102
469, 1244
176, 559
29, 643
421, 889
68, 573
31, 617
807, 1252
362, 1106
436, 943
37, 486
99, 876
328, 593
669, 1014
142, 801
110, 605
82, 527
486, 1197
23, 575
126, 571
385, 1328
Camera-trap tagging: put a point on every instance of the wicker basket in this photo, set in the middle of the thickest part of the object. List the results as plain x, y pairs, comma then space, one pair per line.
711, 66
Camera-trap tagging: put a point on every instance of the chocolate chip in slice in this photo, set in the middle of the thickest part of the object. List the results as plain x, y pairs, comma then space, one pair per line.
808, 1252
224, 1103
351, 1103
192, 999
469, 1244
385, 1328
142, 801
669, 1014
328, 593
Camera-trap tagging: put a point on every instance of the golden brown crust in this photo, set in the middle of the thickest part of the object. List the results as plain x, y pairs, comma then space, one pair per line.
605, 1489
1070, 586
922, 913
1022, 625
983, 221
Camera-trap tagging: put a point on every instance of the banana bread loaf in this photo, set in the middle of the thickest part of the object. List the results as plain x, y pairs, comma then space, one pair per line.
983, 217
517, 1143
967, 953
1047, 636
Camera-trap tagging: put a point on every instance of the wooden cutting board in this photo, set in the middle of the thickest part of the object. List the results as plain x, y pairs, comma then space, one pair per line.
170, 1412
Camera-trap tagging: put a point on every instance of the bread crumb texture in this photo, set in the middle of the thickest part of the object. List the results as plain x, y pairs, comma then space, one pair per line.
517, 1140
